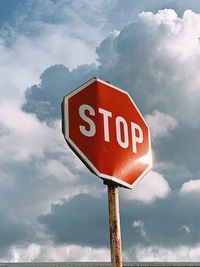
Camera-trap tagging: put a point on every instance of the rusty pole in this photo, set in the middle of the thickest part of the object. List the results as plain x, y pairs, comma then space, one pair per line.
114, 222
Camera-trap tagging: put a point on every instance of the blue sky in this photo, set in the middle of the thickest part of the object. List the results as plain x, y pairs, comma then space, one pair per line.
51, 207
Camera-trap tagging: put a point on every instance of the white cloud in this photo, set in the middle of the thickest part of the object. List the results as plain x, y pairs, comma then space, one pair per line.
25, 145
74, 253
26, 135
151, 187
165, 254
56, 44
157, 62
26, 254
187, 229
166, 16
53, 253
193, 186
139, 224
183, 33
27, 56
161, 124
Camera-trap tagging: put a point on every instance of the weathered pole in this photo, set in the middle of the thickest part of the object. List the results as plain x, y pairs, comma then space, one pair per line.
114, 223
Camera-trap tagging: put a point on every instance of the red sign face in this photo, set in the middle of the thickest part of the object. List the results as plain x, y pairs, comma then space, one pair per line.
105, 129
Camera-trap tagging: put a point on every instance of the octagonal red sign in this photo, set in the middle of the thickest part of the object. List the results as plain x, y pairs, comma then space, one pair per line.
103, 126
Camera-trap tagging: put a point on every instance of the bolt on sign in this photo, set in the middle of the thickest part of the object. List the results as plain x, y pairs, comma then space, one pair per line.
103, 126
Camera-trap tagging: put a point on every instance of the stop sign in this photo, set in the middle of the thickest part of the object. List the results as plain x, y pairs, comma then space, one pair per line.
103, 126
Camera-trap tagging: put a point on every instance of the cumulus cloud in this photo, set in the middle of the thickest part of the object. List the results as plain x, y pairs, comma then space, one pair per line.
176, 174
45, 99
160, 124
36, 165
157, 74
140, 222
35, 38
141, 227
187, 229
155, 253
156, 59
151, 187
38, 252
25, 135
162, 80
191, 187
13, 230
154, 71
20, 254
148, 58
78, 227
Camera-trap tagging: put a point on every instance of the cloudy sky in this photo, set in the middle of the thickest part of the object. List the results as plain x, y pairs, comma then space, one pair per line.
51, 207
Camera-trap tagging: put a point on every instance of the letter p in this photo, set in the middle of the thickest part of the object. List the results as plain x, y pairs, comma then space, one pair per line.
136, 138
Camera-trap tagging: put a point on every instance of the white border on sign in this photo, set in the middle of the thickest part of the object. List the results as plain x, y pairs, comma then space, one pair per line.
65, 119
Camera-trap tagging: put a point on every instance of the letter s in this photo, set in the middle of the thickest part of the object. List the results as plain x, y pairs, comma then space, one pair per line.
92, 130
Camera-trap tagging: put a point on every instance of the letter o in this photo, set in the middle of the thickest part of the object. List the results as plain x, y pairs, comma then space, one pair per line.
121, 121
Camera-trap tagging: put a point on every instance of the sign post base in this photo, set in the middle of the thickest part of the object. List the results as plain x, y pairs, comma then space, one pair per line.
114, 223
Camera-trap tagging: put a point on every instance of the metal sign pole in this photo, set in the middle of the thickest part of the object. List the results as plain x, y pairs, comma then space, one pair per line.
114, 223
